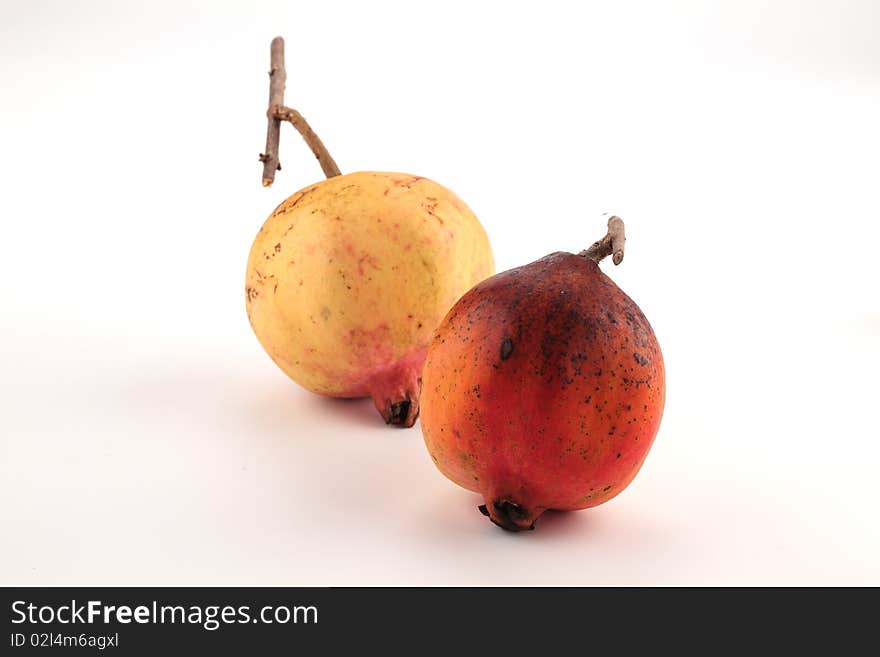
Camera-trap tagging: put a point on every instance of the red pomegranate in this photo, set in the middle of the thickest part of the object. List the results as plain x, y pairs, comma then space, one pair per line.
543, 387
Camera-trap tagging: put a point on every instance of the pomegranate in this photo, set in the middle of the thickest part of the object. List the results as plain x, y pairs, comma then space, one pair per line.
348, 277
543, 387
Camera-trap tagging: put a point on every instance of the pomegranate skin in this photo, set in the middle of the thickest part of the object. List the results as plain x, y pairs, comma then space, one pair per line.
543, 388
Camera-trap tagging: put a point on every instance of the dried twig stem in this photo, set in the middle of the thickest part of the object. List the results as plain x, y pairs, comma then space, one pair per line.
328, 166
277, 113
611, 244
277, 80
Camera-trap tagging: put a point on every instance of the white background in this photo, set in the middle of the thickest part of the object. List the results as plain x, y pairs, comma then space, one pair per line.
147, 438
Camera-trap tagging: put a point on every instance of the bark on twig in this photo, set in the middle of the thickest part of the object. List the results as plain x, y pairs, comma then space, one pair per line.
328, 166
277, 112
277, 80
611, 244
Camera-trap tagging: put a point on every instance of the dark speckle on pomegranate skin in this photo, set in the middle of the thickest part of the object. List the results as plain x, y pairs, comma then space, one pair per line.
557, 419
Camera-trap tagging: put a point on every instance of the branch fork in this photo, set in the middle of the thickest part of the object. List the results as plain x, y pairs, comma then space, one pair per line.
277, 112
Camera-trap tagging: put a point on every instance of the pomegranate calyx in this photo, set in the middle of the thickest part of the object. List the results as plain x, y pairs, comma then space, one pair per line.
509, 515
400, 413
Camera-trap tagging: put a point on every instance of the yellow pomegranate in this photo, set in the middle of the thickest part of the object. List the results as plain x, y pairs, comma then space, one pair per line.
349, 277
